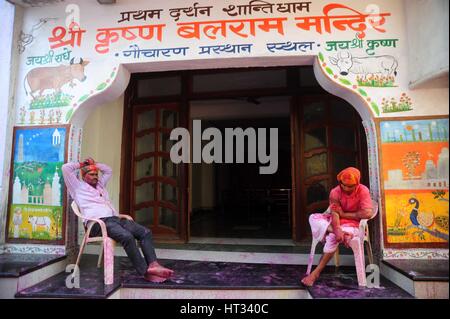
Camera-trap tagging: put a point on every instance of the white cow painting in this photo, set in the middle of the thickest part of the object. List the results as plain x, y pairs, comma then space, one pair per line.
384, 65
40, 221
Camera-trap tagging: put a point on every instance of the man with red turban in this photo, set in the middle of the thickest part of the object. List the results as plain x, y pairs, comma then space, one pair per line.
92, 198
349, 203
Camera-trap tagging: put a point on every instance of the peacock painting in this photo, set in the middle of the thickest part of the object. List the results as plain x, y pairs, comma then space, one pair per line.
425, 220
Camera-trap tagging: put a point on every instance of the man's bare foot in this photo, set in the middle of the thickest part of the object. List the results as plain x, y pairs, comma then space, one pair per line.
309, 280
154, 278
156, 269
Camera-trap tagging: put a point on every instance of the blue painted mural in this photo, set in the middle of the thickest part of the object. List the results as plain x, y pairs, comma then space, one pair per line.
36, 206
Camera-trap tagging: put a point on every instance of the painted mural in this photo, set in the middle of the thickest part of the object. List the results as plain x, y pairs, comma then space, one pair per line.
37, 199
415, 170
51, 79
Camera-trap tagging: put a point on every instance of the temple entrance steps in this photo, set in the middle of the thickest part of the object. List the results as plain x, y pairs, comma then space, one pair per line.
21, 271
424, 279
215, 271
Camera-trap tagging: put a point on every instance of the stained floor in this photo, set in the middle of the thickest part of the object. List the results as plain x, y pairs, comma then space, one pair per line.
334, 283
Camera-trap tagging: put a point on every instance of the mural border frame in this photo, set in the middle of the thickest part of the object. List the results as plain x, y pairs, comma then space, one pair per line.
382, 192
61, 241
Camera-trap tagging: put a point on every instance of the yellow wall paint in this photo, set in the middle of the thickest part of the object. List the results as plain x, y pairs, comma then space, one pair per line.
102, 140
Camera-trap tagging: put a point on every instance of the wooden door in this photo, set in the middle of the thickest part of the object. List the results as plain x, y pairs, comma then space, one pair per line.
157, 188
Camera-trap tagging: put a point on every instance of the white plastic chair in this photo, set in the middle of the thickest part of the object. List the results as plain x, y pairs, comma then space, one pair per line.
356, 244
107, 244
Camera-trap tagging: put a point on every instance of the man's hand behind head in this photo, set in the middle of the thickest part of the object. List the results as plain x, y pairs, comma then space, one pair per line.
88, 161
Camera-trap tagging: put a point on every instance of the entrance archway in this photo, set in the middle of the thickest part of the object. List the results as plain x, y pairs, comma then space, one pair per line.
119, 84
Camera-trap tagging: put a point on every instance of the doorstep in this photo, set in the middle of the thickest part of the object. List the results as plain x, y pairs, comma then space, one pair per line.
423, 278
212, 280
19, 271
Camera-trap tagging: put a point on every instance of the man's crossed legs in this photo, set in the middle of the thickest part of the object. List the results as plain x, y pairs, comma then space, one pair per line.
126, 232
331, 244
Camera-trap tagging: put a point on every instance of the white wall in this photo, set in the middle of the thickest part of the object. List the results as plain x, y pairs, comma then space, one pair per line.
6, 34
11, 18
427, 29
102, 140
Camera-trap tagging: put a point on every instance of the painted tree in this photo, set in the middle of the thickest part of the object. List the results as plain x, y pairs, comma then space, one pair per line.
410, 128
56, 215
411, 160
430, 131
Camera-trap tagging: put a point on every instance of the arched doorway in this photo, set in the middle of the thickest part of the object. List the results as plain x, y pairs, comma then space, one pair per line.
306, 197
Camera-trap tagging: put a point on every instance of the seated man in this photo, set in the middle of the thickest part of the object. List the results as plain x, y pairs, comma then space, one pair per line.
349, 203
91, 196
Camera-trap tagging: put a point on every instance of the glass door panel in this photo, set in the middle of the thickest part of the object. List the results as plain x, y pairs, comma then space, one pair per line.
146, 120
168, 218
145, 144
144, 193
169, 119
165, 142
144, 216
316, 192
169, 193
168, 168
316, 165
315, 138
144, 168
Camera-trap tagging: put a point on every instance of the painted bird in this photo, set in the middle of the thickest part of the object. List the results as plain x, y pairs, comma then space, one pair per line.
423, 220
415, 211
417, 218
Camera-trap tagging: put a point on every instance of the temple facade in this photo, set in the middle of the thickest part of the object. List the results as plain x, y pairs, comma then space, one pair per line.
343, 83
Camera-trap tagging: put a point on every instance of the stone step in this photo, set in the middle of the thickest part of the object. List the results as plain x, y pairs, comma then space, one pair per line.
239, 250
424, 279
211, 280
20, 271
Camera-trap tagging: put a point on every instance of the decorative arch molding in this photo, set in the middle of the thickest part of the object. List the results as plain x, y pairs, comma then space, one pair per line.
366, 113
340, 90
363, 108
113, 88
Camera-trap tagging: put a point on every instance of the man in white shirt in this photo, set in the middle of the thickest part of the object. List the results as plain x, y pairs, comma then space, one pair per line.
92, 198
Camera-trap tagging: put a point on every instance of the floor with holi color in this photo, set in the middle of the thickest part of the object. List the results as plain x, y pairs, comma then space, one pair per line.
334, 283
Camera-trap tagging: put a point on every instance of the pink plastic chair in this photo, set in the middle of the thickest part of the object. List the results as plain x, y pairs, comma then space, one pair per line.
356, 244
107, 247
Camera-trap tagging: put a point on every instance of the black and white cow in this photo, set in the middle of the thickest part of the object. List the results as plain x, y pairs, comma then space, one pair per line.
382, 65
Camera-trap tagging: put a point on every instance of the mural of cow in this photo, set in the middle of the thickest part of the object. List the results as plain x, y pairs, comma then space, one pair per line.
383, 64
37, 221
54, 77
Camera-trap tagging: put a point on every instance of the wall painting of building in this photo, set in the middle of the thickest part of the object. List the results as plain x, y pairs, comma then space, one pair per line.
415, 174
37, 200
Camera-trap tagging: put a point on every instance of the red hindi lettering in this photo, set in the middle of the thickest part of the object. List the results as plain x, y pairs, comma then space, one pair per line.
58, 38
306, 23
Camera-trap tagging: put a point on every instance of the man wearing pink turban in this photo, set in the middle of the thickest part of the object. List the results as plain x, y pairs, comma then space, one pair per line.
349, 203
91, 196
